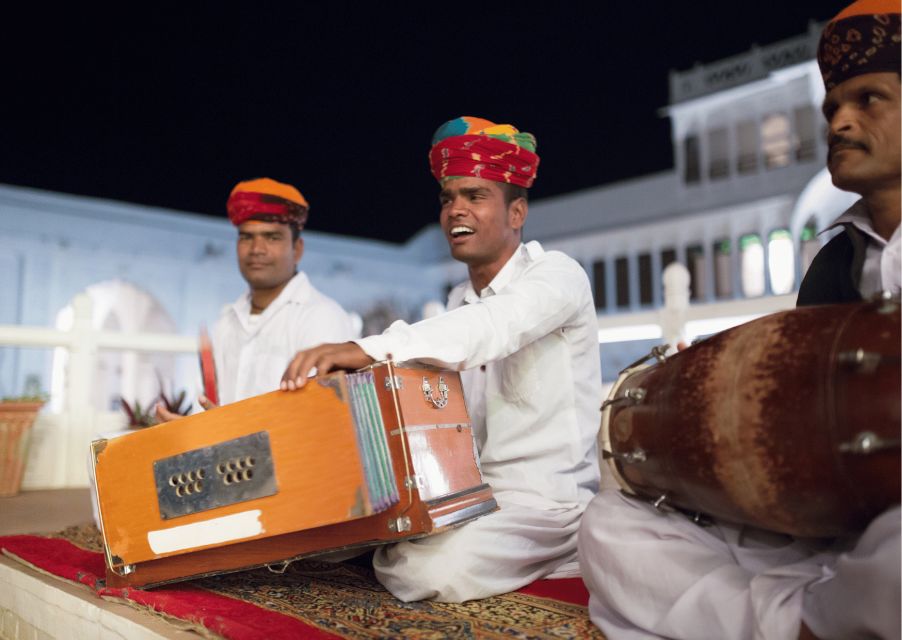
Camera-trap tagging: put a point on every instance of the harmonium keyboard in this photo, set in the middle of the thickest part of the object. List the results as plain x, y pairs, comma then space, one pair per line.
349, 461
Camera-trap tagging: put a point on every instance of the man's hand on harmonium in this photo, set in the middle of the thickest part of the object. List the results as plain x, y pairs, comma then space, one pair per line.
324, 358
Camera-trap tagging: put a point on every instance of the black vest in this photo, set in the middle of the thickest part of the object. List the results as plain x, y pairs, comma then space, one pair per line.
835, 272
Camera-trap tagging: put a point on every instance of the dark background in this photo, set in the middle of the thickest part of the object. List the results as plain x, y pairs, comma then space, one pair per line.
170, 106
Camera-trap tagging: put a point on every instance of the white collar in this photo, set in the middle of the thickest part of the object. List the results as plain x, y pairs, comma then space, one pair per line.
523, 256
857, 216
297, 291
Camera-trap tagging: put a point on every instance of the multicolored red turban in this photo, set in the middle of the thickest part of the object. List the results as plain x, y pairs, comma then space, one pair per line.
474, 147
863, 38
269, 201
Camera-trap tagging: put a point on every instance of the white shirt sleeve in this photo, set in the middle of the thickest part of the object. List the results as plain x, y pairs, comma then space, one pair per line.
537, 303
323, 323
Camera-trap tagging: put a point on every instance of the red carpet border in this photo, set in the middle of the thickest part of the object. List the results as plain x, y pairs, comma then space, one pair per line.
316, 600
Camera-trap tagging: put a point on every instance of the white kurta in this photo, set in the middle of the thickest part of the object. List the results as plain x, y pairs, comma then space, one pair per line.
528, 343
252, 351
659, 575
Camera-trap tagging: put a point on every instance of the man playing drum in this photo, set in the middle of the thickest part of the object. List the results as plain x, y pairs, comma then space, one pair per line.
658, 574
523, 332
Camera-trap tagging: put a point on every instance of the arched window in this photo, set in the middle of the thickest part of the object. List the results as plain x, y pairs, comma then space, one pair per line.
698, 283
747, 147
646, 293
692, 170
781, 261
599, 277
718, 154
119, 306
723, 269
751, 256
622, 274
806, 129
776, 140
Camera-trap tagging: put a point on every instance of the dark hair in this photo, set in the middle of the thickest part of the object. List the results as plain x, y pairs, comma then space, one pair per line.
295, 232
513, 191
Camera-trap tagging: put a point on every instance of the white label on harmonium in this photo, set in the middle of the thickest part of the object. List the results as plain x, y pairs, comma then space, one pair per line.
237, 526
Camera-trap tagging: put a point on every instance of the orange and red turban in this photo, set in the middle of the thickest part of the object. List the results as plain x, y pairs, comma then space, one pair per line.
474, 147
862, 38
267, 200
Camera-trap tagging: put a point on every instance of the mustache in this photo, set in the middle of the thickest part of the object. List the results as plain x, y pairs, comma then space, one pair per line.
838, 140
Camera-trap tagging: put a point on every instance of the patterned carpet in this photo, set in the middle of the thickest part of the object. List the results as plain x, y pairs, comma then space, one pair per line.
345, 601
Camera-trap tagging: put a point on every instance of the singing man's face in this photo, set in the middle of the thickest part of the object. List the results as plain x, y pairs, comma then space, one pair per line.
477, 222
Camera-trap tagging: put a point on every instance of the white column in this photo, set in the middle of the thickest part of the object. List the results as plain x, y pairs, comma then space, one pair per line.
79, 378
676, 303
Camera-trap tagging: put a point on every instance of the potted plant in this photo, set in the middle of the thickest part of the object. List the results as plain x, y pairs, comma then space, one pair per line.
17, 414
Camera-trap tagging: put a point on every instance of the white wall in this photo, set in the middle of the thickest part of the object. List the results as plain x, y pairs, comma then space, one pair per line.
54, 246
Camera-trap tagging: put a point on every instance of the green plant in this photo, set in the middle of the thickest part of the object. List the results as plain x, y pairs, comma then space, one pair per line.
175, 404
31, 391
138, 416
41, 397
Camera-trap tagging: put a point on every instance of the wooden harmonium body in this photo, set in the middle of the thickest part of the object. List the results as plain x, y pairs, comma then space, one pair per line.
351, 460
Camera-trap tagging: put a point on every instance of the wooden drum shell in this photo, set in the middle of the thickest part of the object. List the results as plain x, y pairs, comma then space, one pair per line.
753, 424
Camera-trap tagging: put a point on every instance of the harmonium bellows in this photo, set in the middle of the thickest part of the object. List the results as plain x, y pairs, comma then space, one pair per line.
351, 460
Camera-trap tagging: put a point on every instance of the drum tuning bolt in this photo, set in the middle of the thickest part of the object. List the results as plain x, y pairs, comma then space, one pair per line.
864, 361
659, 353
868, 442
635, 396
630, 457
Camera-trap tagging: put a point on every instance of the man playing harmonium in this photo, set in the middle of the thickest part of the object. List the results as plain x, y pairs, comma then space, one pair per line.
656, 574
523, 332
281, 312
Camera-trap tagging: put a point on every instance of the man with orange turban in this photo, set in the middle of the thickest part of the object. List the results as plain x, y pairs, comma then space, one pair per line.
656, 574
282, 312
523, 332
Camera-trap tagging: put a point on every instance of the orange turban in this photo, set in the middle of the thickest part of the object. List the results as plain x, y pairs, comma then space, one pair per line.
267, 200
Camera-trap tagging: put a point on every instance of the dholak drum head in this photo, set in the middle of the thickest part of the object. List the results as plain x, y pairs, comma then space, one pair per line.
789, 422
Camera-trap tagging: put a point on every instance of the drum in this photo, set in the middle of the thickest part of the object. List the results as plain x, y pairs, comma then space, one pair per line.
789, 423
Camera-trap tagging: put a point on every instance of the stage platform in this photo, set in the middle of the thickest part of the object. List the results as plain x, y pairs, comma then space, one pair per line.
51, 586
34, 606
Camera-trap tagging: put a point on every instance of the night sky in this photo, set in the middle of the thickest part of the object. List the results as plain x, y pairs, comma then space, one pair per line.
170, 106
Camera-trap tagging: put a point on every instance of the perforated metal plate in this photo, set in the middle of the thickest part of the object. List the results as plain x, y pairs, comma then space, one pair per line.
215, 476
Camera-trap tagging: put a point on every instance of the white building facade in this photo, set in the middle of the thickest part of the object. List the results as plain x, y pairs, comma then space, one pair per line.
740, 210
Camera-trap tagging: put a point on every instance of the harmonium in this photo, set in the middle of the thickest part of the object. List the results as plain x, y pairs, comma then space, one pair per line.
350, 460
